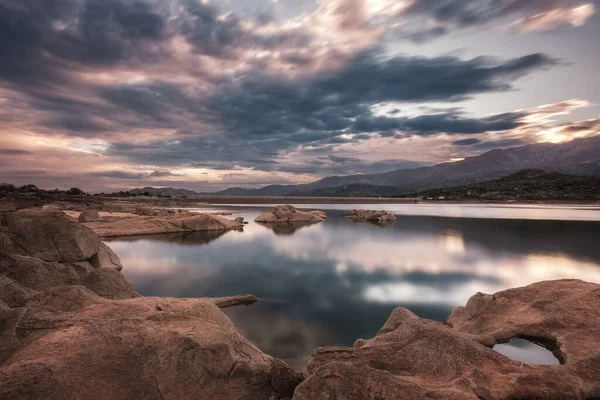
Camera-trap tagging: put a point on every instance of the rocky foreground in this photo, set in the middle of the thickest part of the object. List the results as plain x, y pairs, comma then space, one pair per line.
72, 327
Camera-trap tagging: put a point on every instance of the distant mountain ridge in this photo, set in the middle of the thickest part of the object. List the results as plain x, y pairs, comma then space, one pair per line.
169, 191
577, 157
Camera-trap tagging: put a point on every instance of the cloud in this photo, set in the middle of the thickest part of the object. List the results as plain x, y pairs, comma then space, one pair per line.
550, 19
324, 106
429, 19
117, 175
466, 142
13, 152
162, 174
144, 87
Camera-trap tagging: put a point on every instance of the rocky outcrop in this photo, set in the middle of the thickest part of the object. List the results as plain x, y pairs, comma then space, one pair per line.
415, 358
72, 327
52, 236
89, 216
167, 223
289, 213
240, 220
377, 217
147, 348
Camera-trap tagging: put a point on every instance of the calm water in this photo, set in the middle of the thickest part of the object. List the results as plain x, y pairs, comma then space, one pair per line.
334, 282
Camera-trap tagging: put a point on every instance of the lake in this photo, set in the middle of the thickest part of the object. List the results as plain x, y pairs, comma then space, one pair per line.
337, 281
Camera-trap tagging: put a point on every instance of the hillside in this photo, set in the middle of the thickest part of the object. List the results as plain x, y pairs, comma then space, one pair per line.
169, 191
530, 184
353, 190
577, 157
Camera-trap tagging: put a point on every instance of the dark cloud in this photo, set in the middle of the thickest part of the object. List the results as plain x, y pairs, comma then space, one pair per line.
14, 152
255, 117
466, 142
41, 41
162, 174
117, 175
450, 123
158, 100
324, 107
450, 15
214, 34
499, 144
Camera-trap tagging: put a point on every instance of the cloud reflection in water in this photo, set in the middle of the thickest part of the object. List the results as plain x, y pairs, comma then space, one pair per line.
345, 279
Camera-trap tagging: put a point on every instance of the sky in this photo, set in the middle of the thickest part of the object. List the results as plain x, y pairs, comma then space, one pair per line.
114, 94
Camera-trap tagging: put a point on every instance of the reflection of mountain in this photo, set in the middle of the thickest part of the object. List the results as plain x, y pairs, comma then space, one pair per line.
383, 224
287, 228
185, 238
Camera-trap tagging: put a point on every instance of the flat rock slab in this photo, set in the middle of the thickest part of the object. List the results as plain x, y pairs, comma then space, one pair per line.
414, 358
169, 223
287, 213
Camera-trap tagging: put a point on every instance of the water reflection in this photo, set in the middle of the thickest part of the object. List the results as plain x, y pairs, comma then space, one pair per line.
182, 238
526, 351
334, 282
286, 228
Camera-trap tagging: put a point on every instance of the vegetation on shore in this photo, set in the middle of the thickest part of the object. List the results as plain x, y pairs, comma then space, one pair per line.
529, 184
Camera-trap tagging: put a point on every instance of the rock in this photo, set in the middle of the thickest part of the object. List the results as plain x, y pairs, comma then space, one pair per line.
106, 258
163, 213
109, 283
145, 211
240, 220
234, 301
8, 207
289, 213
78, 344
72, 327
565, 315
416, 358
372, 216
89, 216
48, 235
24, 279
171, 223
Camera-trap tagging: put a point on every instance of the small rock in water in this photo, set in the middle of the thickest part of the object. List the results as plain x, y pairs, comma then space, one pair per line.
372, 216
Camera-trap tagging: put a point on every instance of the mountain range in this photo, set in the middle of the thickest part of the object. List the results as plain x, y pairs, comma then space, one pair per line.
577, 157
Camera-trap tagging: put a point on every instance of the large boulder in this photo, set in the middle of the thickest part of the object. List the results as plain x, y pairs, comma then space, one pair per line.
52, 236
378, 217
89, 216
287, 213
25, 279
416, 358
79, 345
